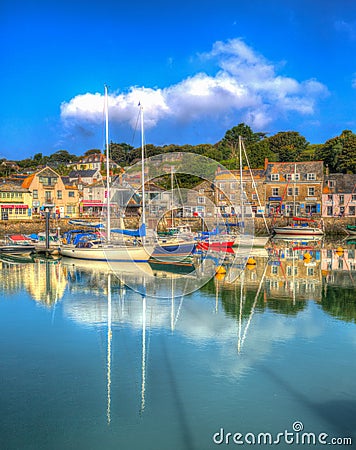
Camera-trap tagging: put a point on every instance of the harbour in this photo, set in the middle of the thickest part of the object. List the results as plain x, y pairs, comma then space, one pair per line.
95, 355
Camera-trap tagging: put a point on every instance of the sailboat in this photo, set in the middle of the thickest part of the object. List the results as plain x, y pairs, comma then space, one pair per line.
300, 226
99, 250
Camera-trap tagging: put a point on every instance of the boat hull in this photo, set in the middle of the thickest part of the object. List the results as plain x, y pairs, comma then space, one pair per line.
173, 251
17, 249
298, 231
116, 254
217, 246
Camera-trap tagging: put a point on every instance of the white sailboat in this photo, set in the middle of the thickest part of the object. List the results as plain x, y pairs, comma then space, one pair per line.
108, 250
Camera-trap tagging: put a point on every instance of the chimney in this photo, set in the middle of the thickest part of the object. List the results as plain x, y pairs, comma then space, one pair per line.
266, 163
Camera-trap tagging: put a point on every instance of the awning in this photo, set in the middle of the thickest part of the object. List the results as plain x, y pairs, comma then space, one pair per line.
14, 206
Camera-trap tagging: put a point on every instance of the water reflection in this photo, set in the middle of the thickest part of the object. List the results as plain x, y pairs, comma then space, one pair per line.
190, 363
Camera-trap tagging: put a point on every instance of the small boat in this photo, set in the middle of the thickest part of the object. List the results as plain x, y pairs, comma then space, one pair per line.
219, 246
350, 229
173, 250
300, 226
17, 244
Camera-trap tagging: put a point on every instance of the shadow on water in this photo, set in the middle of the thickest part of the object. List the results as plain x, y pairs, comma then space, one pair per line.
179, 407
340, 414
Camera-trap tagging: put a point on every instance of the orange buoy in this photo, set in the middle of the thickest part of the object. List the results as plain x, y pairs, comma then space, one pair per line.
220, 270
251, 262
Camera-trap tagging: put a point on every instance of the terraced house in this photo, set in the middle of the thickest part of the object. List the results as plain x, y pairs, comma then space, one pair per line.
50, 193
294, 188
339, 195
15, 202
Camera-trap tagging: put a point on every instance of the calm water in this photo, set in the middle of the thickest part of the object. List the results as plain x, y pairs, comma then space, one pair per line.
89, 363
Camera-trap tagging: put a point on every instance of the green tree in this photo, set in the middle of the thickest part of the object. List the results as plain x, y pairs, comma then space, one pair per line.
229, 145
288, 145
339, 153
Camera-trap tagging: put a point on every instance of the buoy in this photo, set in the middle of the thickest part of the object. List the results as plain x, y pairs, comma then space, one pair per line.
340, 251
251, 262
220, 270
307, 255
219, 276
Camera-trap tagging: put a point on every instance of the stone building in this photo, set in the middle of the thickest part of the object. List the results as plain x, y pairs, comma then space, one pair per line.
294, 188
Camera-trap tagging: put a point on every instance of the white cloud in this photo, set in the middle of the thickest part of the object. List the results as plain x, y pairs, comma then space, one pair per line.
245, 85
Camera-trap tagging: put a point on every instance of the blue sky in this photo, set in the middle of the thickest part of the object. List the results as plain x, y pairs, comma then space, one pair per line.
197, 67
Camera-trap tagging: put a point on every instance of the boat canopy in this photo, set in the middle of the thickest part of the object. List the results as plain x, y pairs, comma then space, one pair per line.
134, 233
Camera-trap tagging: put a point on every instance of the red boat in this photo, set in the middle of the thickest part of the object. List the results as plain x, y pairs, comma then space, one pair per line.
215, 245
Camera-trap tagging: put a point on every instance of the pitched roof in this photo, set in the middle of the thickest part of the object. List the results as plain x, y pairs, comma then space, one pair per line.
83, 173
344, 183
27, 181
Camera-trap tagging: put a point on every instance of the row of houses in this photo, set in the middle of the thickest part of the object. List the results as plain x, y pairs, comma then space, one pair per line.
281, 189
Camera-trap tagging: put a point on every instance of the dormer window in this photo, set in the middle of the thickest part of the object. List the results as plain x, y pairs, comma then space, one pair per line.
275, 177
311, 176
331, 183
292, 176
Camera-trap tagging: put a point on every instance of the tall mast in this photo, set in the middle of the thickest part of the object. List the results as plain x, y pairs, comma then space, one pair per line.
172, 196
294, 187
143, 172
108, 231
241, 186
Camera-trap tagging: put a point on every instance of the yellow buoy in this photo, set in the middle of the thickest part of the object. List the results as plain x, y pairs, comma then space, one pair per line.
219, 276
220, 270
251, 262
339, 250
307, 255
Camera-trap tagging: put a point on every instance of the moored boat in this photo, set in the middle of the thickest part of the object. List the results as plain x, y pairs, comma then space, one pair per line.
299, 227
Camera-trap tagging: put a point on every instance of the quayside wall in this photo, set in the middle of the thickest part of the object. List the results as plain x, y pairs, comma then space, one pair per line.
333, 226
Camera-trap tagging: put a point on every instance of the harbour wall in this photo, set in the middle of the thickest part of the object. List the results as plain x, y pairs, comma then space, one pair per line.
334, 226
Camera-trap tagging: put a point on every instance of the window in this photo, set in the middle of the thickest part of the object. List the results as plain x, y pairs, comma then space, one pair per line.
290, 191
71, 194
254, 197
275, 192
48, 196
201, 200
59, 195
233, 185
311, 176
35, 194
331, 183
275, 177
341, 199
70, 209
310, 271
296, 191
329, 211
274, 270
311, 191
292, 176
352, 210
330, 198
353, 197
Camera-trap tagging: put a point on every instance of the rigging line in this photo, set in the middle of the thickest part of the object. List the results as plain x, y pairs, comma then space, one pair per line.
135, 129
240, 312
254, 185
253, 306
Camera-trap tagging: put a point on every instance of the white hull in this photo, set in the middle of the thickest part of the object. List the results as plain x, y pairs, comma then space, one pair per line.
298, 231
109, 253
